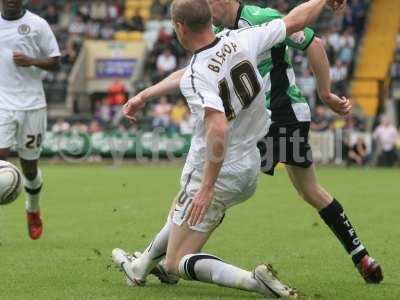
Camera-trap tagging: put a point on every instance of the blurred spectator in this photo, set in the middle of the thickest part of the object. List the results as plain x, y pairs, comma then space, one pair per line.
137, 22
60, 126
321, 120
307, 85
94, 127
358, 154
107, 31
116, 93
178, 113
114, 10
66, 15
164, 36
92, 29
161, 113
359, 11
166, 62
103, 111
79, 127
77, 27
386, 135
98, 10
188, 124
334, 39
338, 77
52, 16
158, 10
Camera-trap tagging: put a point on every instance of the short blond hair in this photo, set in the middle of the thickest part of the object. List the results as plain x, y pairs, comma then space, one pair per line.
196, 14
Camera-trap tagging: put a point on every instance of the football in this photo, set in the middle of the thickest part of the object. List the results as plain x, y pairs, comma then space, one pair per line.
10, 183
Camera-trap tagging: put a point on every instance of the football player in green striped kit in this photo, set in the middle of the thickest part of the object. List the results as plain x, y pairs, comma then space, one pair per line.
290, 115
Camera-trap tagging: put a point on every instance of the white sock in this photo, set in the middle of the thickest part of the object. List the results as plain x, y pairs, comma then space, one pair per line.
32, 189
154, 253
210, 269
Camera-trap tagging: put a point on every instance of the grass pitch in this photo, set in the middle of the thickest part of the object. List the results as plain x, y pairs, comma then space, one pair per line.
89, 210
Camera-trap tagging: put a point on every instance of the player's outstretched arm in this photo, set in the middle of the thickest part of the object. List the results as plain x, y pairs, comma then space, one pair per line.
168, 85
216, 137
320, 65
306, 14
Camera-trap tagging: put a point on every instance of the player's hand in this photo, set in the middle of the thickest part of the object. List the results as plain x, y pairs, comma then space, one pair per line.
341, 106
133, 106
22, 60
199, 206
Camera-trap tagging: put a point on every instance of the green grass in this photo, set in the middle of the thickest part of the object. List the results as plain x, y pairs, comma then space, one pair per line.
89, 210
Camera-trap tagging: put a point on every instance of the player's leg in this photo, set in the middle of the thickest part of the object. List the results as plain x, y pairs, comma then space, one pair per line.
33, 184
308, 188
185, 260
32, 129
143, 264
332, 212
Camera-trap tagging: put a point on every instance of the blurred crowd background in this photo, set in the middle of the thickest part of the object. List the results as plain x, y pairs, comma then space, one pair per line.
76, 21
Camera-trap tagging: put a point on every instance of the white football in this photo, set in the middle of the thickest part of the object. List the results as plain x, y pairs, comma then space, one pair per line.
10, 182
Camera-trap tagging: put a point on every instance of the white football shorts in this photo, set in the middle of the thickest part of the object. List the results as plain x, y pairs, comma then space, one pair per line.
25, 129
236, 183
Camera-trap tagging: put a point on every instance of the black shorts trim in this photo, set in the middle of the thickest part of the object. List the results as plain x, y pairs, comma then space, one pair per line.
287, 144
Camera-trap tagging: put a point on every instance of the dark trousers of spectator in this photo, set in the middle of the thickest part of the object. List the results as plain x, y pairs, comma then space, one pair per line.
387, 158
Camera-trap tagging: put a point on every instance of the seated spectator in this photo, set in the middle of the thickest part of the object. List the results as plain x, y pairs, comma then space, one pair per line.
308, 86
77, 27
164, 37
157, 10
114, 11
92, 29
66, 15
346, 54
116, 93
60, 126
137, 22
187, 125
178, 113
386, 135
161, 113
52, 16
98, 10
94, 127
339, 76
103, 111
79, 127
358, 154
107, 31
334, 39
348, 18
321, 120
166, 63
359, 11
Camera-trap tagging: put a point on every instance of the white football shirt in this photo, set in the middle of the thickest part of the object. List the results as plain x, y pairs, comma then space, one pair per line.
224, 76
21, 88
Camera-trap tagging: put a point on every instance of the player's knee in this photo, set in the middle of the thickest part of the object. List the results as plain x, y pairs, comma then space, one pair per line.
29, 169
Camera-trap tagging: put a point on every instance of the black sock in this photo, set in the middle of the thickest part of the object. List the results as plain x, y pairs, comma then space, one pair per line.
336, 219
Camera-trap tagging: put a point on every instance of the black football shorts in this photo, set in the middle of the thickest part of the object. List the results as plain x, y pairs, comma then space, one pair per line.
287, 144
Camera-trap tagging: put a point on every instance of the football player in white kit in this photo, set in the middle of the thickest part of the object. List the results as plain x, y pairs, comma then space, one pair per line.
224, 92
28, 46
